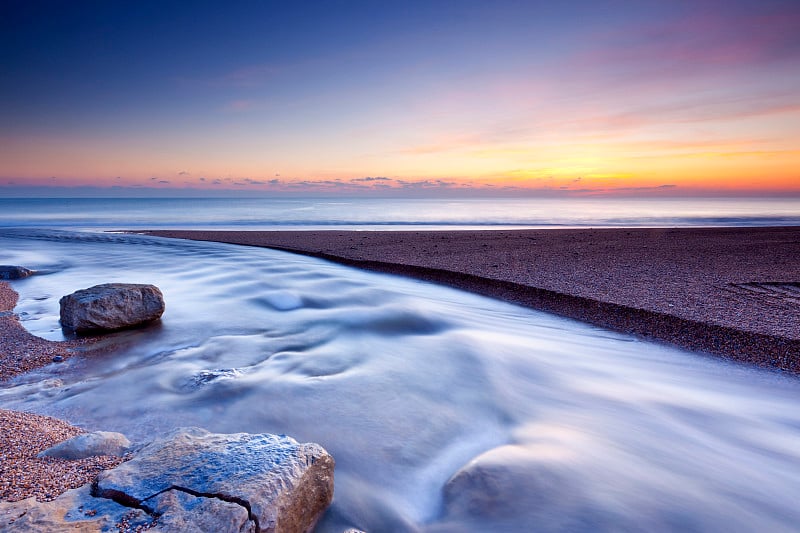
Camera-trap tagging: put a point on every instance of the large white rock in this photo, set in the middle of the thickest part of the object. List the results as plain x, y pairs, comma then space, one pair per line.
193, 480
283, 485
111, 306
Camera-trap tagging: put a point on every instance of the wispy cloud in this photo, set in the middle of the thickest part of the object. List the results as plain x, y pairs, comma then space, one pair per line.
241, 105
428, 184
247, 76
709, 38
370, 178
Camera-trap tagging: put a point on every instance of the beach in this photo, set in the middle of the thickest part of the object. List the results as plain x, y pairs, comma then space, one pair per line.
20, 350
22, 473
732, 292
415, 388
471, 266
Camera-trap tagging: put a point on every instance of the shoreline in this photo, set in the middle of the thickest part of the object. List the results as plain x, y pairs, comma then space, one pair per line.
24, 435
730, 292
764, 255
21, 351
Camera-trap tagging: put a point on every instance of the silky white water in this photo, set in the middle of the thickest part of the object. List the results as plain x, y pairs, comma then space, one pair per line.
554, 425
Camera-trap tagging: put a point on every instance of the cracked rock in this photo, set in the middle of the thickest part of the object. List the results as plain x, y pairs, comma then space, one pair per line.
193, 480
181, 511
281, 484
75, 510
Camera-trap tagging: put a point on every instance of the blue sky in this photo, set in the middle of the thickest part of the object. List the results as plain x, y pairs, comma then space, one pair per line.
589, 97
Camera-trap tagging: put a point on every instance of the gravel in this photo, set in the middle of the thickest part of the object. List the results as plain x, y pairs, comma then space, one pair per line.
23, 475
23, 435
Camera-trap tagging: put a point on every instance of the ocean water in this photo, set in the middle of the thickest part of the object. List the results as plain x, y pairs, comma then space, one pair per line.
444, 411
362, 213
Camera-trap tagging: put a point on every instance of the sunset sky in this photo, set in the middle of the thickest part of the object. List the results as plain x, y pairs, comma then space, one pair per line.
460, 97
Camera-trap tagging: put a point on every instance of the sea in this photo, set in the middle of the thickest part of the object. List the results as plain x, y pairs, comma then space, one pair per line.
394, 213
445, 411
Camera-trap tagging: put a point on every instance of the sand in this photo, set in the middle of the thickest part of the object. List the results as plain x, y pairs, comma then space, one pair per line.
732, 292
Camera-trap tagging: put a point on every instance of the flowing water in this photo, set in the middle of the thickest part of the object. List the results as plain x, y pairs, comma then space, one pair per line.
445, 411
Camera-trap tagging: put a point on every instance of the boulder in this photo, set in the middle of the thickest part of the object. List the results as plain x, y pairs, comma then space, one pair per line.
14, 272
283, 485
510, 487
88, 445
111, 306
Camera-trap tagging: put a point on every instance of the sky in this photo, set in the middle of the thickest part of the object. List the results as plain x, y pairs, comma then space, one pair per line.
433, 97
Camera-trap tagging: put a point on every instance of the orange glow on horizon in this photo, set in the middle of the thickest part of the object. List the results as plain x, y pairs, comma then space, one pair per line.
590, 163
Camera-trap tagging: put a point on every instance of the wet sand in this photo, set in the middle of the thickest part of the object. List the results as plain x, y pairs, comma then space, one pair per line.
732, 292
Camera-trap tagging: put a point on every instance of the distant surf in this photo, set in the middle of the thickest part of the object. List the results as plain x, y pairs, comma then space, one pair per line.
385, 213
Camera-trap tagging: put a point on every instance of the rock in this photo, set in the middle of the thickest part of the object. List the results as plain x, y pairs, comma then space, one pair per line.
14, 272
111, 306
283, 485
58, 359
512, 487
180, 511
75, 510
193, 480
88, 445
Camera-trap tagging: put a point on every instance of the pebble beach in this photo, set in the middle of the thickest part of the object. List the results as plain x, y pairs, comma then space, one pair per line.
729, 292
19, 350
24, 435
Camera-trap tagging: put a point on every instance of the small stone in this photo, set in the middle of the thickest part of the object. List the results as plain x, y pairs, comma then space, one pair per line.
58, 358
89, 445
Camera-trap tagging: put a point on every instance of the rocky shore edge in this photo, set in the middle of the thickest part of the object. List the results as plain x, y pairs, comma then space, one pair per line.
20, 351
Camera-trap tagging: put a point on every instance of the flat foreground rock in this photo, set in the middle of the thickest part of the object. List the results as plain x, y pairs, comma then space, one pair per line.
284, 485
111, 306
75, 510
193, 480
